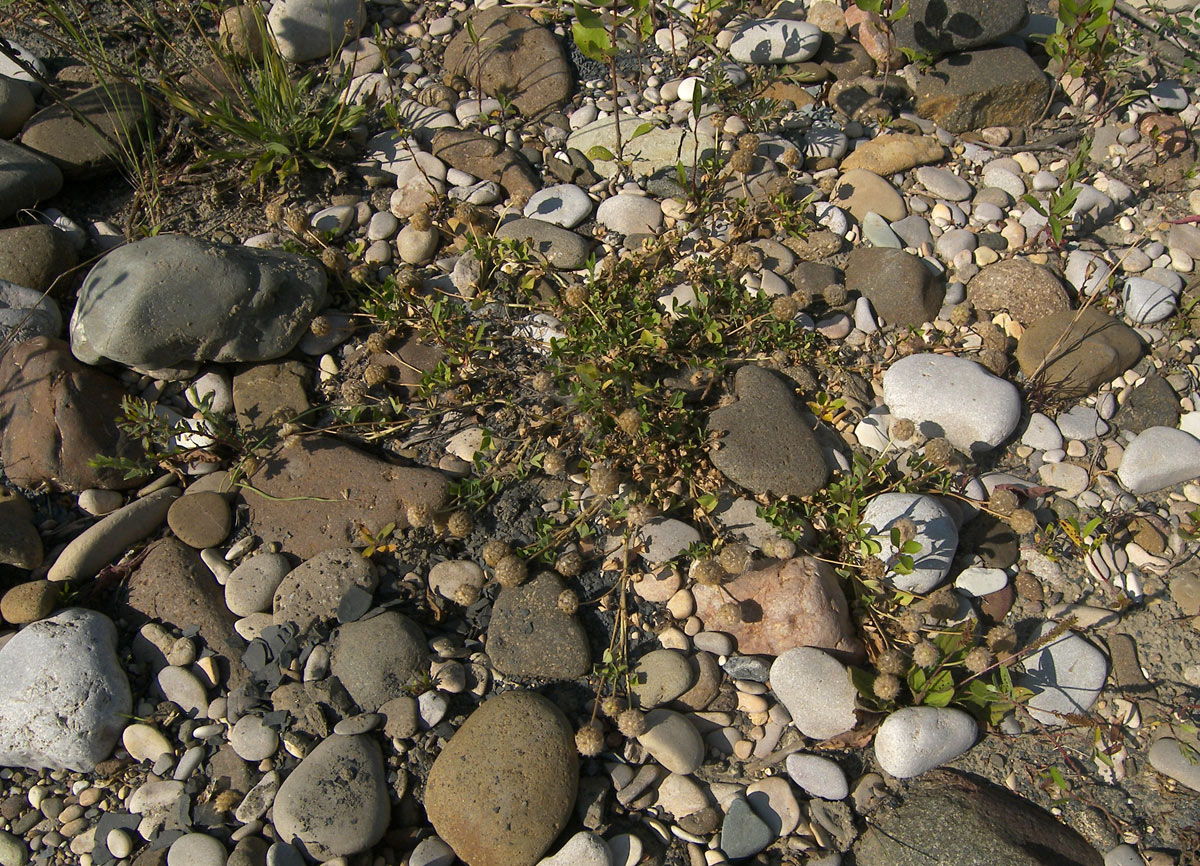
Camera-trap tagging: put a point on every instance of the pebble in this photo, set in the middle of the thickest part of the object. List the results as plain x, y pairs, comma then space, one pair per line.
743, 833
1159, 457
252, 739
914, 740
943, 183
818, 776
564, 205
673, 741
1177, 760
816, 690
181, 687
1066, 676
661, 676
582, 849
775, 40
196, 849
937, 536
144, 742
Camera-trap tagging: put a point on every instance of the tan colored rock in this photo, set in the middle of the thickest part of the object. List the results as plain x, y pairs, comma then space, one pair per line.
894, 152
795, 602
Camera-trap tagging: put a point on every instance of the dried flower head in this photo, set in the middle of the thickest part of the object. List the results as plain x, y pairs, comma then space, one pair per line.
320, 326
630, 422
891, 661
468, 214
708, 572
726, 616
511, 571
335, 260
1001, 639
925, 654
568, 602
784, 308
407, 278
742, 162
374, 375
874, 568
575, 296
939, 451
906, 527
604, 480
569, 563
978, 660
902, 429
295, 218
419, 515
748, 142
494, 550
421, 221
273, 212
1022, 521
376, 343
554, 462
1003, 501
589, 739
640, 513
460, 524
942, 603
611, 706
886, 687
735, 558
835, 294
466, 594
543, 381
354, 391
631, 722
960, 315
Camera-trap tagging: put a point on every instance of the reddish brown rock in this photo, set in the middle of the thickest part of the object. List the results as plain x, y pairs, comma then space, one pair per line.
55, 415
486, 158
314, 493
796, 602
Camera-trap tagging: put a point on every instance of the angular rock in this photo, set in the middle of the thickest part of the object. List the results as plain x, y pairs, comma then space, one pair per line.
504, 787
582, 849
378, 658
953, 817
116, 124
312, 495
514, 56
893, 152
939, 27
55, 416
987, 87
34, 256
1075, 352
914, 740
797, 602
1153, 403
743, 834
172, 585
313, 590
172, 301
488, 159
311, 29
529, 636
20, 543
953, 397
936, 533
63, 696
816, 690
1029, 292
899, 286
335, 803
767, 446
26, 178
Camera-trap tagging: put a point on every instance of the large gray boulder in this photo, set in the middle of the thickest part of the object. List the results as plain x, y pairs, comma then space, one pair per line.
63, 695
167, 303
941, 26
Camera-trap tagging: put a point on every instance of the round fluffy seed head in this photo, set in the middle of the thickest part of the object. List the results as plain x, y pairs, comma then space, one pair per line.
960, 315
296, 220
978, 660
925, 654
354, 391
1003, 502
604, 480
575, 296
748, 142
726, 616
421, 221
803, 298
640, 513
543, 381
335, 260
874, 569
569, 563
707, 572
376, 343
1001, 639
273, 212
374, 375
589, 739
992, 336
466, 594
994, 360
779, 548
791, 157
911, 621
902, 429
630, 422
718, 120
735, 558
631, 722
468, 214
784, 308
419, 515
554, 463
835, 294
511, 571
891, 661
460, 524
907, 529
320, 326
611, 706
1022, 521
886, 687
741, 162
407, 278
493, 551
568, 602
939, 451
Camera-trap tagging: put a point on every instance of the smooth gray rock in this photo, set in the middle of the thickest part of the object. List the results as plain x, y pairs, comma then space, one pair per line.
816, 690
916, 739
564, 205
335, 803
63, 695
743, 834
1159, 457
25, 314
26, 178
172, 301
936, 533
661, 676
530, 636
768, 446
582, 849
250, 588
1066, 676
562, 248
901, 289
818, 776
953, 397
775, 40
378, 658
943, 183
103, 542
310, 29
313, 590
1175, 759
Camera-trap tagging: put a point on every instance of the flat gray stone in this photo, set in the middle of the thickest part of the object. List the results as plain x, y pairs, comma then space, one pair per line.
943, 183
743, 834
378, 658
529, 636
311, 29
936, 533
901, 288
1066, 676
26, 178
313, 590
775, 40
250, 588
562, 248
64, 698
916, 739
25, 314
816, 690
661, 676
1175, 759
1158, 458
564, 205
171, 301
953, 397
818, 776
